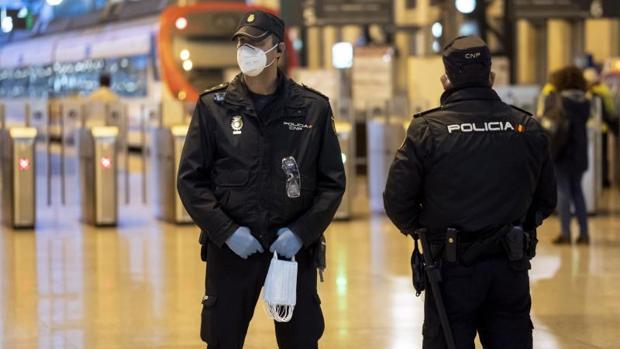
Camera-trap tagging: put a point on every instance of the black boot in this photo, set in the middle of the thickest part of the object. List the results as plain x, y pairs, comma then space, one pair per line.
583, 240
561, 240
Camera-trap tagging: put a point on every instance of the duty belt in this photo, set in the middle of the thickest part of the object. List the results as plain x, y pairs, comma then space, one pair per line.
453, 246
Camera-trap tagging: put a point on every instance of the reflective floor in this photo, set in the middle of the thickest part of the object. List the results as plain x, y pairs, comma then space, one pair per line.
139, 285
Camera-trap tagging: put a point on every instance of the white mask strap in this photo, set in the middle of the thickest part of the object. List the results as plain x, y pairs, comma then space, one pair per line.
274, 60
271, 49
256, 48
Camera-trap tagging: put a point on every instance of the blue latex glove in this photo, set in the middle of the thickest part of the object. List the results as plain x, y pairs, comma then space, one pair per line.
243, 243
287, 244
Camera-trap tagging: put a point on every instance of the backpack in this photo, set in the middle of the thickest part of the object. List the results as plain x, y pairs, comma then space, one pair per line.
556, 124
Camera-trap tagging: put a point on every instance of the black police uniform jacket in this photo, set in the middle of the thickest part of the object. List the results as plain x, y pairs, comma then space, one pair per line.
474, 164
230, 173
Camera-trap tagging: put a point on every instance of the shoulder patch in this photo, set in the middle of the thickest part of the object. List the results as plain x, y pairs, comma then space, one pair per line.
521, 110
314, 91
425, 112
215, 88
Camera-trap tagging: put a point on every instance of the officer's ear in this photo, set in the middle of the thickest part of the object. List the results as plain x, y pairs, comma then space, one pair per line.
492, 79
445, 82
281, 47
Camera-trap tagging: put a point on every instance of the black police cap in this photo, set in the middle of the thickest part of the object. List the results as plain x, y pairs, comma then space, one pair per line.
467, 59
256, 25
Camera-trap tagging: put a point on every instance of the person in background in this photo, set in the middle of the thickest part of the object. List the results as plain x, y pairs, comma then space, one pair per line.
571, 162
610, 122
104, 93
547, 90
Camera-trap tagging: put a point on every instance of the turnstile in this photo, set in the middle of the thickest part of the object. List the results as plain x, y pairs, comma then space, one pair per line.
37, 116
98, 175
384, 137
19, 176
167, 144
70, 118
344, 130
592, 181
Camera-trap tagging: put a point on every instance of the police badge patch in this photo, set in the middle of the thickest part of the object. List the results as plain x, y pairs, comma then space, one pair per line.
237, 124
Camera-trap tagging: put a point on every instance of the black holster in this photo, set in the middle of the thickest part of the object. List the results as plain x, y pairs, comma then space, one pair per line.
320, 256
204, 242
417, 268
514, 244
531, 240
519, 244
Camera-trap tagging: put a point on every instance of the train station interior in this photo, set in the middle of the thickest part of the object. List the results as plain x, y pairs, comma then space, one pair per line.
96, 247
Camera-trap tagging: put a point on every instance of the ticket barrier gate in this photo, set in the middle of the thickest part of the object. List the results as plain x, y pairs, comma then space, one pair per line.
384, 138
592, 181
70, 116
98, 169
167, 144
37, 116
386, 129
19, 176
344, 131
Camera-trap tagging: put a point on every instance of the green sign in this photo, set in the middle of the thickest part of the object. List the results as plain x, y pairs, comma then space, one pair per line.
19, 18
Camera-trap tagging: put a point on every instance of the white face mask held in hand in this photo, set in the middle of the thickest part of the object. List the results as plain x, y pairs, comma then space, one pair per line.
252, 60
280, 289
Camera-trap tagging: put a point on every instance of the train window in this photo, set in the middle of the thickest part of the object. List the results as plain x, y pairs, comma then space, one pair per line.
14, 82
129, 78
129, 75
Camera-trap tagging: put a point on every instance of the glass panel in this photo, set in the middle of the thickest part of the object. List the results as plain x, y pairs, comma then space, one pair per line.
129, 78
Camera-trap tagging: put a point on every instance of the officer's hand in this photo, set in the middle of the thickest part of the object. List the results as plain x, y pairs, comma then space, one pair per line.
243, 243
287, 244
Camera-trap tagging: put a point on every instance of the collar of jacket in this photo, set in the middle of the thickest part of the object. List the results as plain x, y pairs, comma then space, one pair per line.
485, 93
287, 91
575, 95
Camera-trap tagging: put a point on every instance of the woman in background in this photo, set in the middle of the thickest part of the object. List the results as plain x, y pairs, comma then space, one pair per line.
571, 162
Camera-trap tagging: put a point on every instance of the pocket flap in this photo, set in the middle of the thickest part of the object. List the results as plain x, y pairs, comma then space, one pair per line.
232, 178
209, 301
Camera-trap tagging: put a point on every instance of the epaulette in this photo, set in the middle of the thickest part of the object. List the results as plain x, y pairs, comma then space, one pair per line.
315, 91
521, 110
215, 88
425, 112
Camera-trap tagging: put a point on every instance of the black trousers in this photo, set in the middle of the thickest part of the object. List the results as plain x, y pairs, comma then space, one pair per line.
490, 297
233, 286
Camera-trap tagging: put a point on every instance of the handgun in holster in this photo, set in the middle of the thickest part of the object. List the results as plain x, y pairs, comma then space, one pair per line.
514, 243
532, 221
203, 241
531, 240
320, 257
417, 267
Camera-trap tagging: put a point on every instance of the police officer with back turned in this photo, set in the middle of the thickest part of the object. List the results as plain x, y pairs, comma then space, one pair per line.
473, 180
260, 172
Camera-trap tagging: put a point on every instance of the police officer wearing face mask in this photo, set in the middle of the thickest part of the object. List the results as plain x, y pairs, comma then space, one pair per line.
474, 178
260, 172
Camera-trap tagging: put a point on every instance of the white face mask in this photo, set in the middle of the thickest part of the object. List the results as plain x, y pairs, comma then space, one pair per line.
280, 289
252, 60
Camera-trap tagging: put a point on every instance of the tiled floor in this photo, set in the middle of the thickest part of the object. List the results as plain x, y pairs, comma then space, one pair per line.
139, 285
